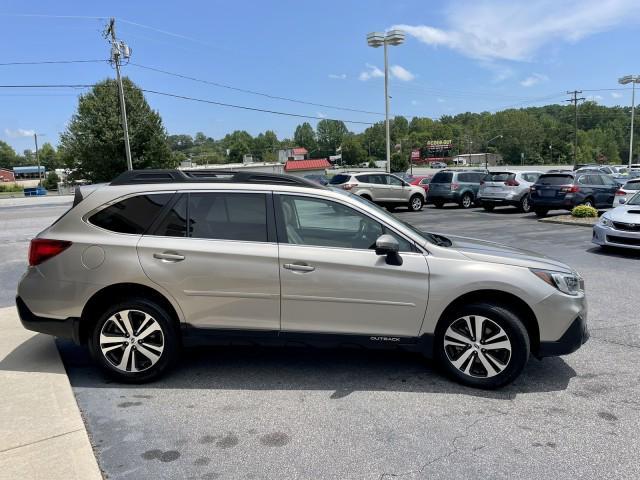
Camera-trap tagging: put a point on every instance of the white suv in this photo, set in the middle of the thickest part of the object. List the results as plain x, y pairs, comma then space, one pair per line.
381, 188
507, 188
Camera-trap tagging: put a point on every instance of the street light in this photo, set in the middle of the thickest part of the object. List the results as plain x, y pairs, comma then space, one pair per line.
486, 158
379, 39
633, 79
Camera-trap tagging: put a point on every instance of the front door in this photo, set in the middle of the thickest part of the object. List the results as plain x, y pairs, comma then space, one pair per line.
332, 281
223, 269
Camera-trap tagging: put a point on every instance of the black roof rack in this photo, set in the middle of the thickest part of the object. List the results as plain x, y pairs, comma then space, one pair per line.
134, 177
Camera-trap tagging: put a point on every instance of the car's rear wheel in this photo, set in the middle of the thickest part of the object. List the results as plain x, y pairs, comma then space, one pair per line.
466, 201
482, 345
134, 341
525, 204
416, 203
588, 202
541, 212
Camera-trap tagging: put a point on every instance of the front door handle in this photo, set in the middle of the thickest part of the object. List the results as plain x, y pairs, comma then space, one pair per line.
168, 257
299, 267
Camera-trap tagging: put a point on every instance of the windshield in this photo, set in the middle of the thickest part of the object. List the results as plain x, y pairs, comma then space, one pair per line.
442, 177
339, 179
429, 237
555, 179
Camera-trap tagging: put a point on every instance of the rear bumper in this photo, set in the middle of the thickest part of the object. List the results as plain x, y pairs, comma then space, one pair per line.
498, 201
574, 337
566, 203
67, 328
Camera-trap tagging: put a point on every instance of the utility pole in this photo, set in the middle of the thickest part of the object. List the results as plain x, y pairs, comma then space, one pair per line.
120, 50
575, 101
35, 138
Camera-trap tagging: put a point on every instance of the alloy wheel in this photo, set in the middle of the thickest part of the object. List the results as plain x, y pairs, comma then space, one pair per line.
131, 340
477, 346
526, 206
466, 201
416, 203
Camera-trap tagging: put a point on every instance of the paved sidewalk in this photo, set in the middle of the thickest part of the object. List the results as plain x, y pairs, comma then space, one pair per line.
43, 435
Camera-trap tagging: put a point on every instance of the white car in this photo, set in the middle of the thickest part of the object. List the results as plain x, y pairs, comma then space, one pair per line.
627, 191
507, 188
620, 227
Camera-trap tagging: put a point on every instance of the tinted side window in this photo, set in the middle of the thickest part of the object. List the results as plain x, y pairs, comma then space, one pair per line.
339, 179
132, 215
608, 180
174, 224
442, 177
464, 177
364, 178
378, 179
228, 216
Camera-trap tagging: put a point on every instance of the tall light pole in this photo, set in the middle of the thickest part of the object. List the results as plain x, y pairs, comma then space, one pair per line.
486, 158
35, 139
379, 39
633, 79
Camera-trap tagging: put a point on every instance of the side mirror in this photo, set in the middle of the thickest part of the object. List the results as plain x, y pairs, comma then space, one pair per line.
387, 245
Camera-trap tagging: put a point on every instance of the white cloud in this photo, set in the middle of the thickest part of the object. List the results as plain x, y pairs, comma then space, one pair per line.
415, 102
395, 71
440, 100
595, 98
616, 94
322, 115
19, 132
495, 29
534, 79
401, 73
338, 76
371, 72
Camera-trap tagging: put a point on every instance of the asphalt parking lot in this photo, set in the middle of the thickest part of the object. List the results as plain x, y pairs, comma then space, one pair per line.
260, 413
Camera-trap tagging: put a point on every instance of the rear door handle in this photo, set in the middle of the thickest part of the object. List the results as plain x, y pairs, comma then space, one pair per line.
299, 267
168, 257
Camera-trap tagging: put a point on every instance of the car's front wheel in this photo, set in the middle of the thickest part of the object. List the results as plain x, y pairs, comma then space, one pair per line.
416, 203
134, 341
482, 345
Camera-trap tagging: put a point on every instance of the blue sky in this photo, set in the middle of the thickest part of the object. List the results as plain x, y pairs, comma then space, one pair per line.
459, 56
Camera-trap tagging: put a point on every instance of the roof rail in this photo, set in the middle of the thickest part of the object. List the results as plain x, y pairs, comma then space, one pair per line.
154, 176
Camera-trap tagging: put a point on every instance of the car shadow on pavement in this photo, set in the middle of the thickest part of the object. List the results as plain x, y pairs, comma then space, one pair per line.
341, 371
36, 354
615, 252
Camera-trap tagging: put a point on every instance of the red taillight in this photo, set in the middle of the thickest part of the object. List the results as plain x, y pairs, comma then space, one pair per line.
42, 249
348, 186
570, 189
512, 183
621, 192
455, 186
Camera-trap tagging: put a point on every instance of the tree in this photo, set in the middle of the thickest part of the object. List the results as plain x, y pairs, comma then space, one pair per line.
352, 151
8, 155
93, 144
49, 158
330, 134
304, 136
399, 163
51, 182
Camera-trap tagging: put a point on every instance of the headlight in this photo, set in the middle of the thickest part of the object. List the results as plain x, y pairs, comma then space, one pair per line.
571, 284
605, 222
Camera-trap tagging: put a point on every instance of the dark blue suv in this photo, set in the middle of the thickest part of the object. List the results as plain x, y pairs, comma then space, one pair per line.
563, 191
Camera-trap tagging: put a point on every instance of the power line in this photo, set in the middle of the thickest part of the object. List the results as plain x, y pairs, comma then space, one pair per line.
253, 92
51, 62
254, 109
81, 85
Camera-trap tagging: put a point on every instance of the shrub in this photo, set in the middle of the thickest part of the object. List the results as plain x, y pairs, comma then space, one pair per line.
582, 211
10, 187
51, 182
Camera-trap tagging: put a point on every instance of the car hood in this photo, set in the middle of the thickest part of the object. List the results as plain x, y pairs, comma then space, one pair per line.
484, 251
625, 213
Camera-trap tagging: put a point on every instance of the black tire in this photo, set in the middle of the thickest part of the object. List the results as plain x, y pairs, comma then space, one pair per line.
588, 202
541, 212
525, 204
466, 201
514, 331
488, 207
416, 202
167, 337
438, 203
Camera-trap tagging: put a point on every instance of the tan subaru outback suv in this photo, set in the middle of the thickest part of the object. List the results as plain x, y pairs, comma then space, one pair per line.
160, 259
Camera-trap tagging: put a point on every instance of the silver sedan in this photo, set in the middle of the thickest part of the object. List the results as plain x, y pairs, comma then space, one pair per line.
620, 227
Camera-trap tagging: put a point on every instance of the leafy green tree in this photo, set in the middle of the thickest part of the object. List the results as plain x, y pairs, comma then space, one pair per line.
49, 158
304, 136
51, 182
399, 163
8, 157
352, 151
330, 134
180, 142
93, 144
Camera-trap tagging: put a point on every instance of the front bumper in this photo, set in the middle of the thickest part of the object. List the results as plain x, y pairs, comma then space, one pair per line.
610, 237
575, 336
67, 328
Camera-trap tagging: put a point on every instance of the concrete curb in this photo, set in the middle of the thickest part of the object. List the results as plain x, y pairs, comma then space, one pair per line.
559, 221
44, 436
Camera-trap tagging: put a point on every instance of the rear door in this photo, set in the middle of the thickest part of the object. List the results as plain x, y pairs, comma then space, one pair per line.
223, 268
397, 190
440, 184
610, 187
331, 278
